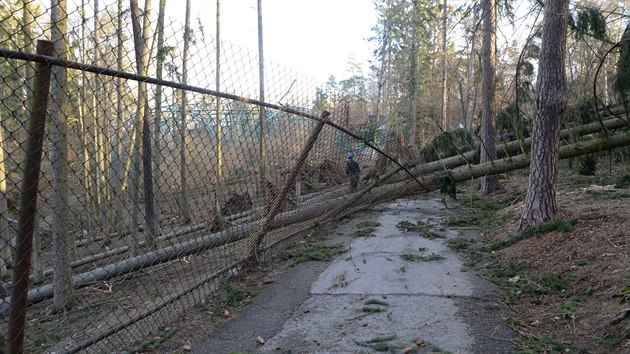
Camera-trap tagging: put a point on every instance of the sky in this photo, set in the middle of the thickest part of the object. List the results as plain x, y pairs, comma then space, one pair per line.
314, 37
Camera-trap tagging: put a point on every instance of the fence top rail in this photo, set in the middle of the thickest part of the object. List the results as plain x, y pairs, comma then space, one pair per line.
48, 60
12, 54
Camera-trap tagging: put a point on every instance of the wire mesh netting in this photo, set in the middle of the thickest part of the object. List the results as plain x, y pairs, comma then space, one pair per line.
154, 188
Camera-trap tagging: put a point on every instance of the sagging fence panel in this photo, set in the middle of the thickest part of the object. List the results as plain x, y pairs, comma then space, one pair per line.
159, 166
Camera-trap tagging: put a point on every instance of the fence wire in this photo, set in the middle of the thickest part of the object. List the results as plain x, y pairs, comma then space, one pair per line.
151, 196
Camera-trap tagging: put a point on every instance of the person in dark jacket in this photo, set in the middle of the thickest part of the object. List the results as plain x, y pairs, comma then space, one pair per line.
353, 170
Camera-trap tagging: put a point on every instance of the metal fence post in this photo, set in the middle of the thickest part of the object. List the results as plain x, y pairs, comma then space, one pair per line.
28, 201
276, 205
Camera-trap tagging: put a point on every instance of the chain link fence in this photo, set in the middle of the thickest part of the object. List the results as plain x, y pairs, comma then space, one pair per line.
158, 177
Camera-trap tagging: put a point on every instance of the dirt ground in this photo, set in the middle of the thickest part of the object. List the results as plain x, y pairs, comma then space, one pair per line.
568, 283
570, 290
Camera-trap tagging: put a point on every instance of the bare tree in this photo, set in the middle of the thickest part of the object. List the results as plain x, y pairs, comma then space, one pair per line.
413, 75
142, 145
443, 92
83, 107
551, 99
185, 206
489, 183
157, 115
218, 193
261, 116
64, 296
117, 193
6, 249
468, 110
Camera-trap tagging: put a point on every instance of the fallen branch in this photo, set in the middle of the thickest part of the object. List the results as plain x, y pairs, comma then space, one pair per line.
377, 195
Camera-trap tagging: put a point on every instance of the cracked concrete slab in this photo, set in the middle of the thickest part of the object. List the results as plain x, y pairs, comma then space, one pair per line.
373, 298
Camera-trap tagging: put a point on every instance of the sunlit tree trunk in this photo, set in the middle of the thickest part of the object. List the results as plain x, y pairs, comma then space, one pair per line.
117, 188
489, 183
5, 234
261, 116
413, 75
64, 296
184, 198
380, 84
157, 116
551, 99
96, 95
85, 136
470, 71
142, 132
443, 94
218, 192
99, 127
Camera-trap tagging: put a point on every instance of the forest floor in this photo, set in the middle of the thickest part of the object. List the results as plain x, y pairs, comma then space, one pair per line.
567, 282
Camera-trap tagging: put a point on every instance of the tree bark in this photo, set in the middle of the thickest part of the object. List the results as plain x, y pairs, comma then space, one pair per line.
261, 117
489, 183
443, 95
185, 206
551, 99
6, 248
469, 111
218, 184
413, 75
64, 297
117, 188
315, 210
157, 115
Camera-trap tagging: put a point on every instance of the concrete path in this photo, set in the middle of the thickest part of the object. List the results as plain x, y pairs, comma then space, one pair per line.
376, 297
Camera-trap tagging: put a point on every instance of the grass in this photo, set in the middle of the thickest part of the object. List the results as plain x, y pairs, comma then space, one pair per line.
316, 252
419, 226
364, 232
460, 244
368, 223
381, 344
154, 344
582, 262
560, 225
376, 302
235, 295
368, 309
431, 235
623, 181
485, 212
567, 309
420, 258
541, 343
406, 225
516, 282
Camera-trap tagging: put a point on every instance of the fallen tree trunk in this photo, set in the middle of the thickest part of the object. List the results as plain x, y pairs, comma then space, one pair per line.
503, 149
377, 195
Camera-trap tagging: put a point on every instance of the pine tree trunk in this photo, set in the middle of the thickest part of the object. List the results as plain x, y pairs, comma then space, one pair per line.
443, 95
551, 98
413, 74
117, 192
218, 184
262, 151
64, 297
185, 206
468, 110
6, 249
157, 119
489, 183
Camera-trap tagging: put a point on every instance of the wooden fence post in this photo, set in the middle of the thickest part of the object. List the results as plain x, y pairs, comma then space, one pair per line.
28, 201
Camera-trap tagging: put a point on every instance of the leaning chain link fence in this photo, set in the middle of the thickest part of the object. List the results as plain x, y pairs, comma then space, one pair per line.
154, 188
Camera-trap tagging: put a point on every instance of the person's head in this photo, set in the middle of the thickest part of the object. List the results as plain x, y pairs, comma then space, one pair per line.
350, 156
